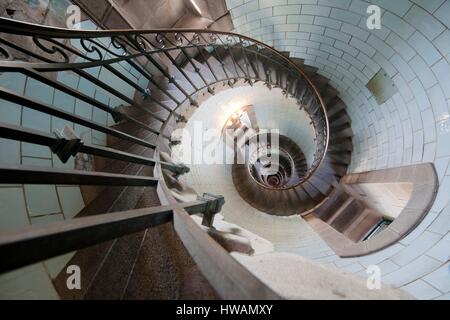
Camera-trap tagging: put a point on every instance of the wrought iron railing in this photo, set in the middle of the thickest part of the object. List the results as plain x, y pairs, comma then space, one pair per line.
39, 52
144, 48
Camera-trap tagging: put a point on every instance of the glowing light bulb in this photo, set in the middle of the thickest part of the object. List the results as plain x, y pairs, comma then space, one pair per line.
196, 7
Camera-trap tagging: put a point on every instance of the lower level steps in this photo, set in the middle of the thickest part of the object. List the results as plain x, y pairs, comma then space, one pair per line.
347, 214
153, 264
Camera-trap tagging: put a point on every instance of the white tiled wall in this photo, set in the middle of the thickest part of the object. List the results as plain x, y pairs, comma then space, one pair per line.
413, 47
21, 205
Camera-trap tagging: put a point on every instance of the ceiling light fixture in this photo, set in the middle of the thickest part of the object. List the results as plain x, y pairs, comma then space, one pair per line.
196, 7
235, 119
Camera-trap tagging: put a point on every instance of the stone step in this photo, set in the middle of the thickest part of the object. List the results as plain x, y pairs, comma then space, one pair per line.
321, 185
312, 191
340, 132
334, 201
340, 119
338, 210
343, 145
341, 137
91, 259
348, 216
194, 76
328, 94
362, 225
182, 80
334, 106
331, 179
338, 115
203, 71
285, 53
302, 195
298, 61
183, 83
218, 68
342, 157
111, 279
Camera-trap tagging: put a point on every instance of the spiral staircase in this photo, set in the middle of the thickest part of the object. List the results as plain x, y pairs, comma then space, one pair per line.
131, 186
305, 196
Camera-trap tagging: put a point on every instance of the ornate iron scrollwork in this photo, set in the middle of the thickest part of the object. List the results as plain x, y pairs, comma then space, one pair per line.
57, 50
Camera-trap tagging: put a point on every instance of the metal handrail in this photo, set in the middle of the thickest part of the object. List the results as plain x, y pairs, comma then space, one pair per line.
136, 43
23, 246
229, 278
140, 49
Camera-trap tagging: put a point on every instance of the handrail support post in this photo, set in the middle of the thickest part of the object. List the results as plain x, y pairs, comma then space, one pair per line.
68, 144
215, 203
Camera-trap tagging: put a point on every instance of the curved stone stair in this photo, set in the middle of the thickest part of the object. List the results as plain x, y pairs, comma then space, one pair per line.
126, 268
131, 267
312, 192
316, 190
